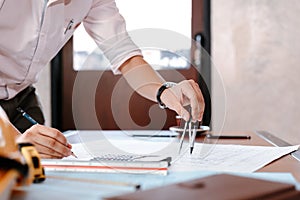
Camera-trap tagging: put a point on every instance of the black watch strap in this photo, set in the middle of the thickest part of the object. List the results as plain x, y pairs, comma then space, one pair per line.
162, 88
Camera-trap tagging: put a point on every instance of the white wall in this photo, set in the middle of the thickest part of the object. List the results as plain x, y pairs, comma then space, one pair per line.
256, 47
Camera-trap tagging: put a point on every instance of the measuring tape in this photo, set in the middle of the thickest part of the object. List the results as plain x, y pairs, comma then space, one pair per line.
30, 172
21, 167
36, 172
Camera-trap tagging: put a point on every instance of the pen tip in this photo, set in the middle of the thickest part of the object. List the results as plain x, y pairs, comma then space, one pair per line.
73, 154
138, 187
191, 150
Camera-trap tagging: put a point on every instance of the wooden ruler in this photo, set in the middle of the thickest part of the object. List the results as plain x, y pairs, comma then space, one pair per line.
277, 142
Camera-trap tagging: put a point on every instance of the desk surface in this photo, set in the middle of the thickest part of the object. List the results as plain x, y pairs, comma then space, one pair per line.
284, 164
55, 189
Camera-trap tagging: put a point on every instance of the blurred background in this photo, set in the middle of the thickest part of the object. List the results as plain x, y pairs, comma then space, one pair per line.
254, 46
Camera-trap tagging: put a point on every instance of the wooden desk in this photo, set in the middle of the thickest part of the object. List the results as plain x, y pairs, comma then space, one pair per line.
284, 164
57, 189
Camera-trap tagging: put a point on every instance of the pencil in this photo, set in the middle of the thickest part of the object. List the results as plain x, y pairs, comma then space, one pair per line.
209, 136
28, 117
33, 122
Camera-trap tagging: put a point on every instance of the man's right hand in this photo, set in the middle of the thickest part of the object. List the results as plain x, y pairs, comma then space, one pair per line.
49, 142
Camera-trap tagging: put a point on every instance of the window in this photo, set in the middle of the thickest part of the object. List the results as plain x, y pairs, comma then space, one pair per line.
171, 15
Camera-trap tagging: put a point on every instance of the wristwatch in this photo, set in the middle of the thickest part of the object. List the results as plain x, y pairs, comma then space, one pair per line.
162, 88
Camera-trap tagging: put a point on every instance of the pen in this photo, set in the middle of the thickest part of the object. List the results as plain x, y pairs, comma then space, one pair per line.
210, 136
154, 136
32, 121
24, 114
69, 26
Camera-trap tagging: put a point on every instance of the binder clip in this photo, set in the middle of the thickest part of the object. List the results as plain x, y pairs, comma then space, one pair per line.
19, 163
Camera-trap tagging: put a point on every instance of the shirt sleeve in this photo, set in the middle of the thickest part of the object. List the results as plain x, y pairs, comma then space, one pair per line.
107, 27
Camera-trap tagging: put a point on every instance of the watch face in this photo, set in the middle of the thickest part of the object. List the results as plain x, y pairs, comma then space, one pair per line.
169, 84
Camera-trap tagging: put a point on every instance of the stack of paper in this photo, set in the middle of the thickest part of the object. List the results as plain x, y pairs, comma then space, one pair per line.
152, 155
112, 166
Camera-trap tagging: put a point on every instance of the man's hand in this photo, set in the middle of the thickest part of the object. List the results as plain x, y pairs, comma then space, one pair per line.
146, 81
49, 142
185, 93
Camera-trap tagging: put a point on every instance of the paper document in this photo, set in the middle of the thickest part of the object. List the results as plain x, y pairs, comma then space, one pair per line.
209, 157
114, 153
97, 143
83, 154
107, 162
230, 158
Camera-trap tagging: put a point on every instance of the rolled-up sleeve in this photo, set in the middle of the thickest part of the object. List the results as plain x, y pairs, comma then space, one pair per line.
107, 27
